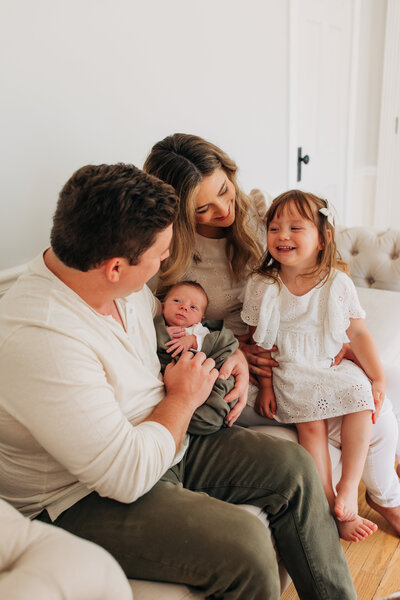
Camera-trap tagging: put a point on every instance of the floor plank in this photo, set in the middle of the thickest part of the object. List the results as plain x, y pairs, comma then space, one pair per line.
374, 564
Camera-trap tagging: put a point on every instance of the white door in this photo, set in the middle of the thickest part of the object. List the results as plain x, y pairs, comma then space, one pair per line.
320, 67
387, 205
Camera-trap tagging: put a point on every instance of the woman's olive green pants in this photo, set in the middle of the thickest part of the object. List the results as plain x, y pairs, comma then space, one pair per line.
188, 529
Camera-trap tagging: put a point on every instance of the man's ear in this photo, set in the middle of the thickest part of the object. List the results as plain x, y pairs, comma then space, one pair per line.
112, 269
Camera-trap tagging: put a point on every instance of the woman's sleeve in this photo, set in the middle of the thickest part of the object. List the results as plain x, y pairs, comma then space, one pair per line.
260, 200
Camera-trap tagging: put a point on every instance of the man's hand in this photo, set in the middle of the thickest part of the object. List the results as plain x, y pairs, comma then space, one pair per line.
182, 344
191, 378
237, 366
188, 384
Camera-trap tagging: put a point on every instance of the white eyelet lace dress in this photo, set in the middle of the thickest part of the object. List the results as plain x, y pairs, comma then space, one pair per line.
309, 331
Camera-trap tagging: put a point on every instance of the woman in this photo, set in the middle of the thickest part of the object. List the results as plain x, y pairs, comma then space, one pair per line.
216, 242
219, 237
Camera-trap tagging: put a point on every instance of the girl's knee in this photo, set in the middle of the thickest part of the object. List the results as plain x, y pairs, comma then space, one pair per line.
312, 428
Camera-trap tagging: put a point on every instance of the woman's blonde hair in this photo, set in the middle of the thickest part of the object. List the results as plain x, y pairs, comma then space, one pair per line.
308, 206
183, 161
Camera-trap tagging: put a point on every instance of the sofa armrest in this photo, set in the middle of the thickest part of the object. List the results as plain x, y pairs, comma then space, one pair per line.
373, 256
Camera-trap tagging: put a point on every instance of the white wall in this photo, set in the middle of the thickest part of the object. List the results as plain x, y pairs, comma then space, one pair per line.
90, 81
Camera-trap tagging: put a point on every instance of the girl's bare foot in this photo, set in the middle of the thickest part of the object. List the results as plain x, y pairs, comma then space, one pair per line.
356, 530
346, 502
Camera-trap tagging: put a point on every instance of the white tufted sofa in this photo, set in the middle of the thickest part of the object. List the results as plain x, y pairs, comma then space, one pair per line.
374, 259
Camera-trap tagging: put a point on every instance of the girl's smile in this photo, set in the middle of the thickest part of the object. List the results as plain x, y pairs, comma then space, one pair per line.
293, 241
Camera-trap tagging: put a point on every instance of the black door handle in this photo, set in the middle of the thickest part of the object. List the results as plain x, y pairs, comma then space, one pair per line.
305, 159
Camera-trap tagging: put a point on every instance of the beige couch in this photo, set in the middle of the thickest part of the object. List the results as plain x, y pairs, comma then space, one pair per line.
374, 259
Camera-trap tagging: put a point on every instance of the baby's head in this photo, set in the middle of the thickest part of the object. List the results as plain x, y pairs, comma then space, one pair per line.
185, 304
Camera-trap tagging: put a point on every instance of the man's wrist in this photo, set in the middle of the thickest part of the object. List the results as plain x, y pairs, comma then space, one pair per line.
180, 400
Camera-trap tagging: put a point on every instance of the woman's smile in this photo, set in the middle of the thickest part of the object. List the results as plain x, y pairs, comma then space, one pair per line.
215, 204
224, 217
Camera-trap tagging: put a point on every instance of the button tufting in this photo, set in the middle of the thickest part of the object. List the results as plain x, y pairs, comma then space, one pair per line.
354, 252
395, 255
370, 280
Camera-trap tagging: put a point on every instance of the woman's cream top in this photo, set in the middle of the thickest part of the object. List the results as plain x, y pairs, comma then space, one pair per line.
212, 271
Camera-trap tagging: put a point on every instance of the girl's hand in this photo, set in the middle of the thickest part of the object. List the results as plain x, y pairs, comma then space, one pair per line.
378, 392
182, 344
265, 404
237, 366
175, 331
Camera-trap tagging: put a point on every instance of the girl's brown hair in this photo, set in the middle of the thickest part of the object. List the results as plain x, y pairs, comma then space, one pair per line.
308, 206
183, 161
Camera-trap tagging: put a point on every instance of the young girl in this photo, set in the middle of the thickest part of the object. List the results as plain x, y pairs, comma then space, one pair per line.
301, 300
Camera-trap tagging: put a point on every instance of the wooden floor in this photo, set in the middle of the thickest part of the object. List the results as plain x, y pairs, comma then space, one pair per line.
374, 563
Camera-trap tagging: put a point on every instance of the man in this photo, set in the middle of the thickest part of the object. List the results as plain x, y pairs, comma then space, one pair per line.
92, 441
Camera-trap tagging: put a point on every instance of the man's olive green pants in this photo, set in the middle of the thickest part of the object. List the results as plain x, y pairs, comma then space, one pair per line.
188, 529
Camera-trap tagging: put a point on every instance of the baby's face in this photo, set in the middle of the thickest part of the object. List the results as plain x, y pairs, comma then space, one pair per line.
184, 305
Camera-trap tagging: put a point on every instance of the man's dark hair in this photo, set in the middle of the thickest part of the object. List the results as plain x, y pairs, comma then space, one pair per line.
105, 211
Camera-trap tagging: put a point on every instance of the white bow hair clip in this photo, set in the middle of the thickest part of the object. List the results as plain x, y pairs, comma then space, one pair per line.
328, 212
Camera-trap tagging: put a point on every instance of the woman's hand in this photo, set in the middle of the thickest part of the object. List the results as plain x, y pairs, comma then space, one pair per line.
346, 352
237, 366
259, 360
378, 392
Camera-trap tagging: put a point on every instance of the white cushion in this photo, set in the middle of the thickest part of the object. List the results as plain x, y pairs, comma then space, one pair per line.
383, 321
373, 256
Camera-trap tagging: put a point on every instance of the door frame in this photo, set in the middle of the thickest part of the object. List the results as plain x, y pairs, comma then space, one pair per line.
389, 127
294, 6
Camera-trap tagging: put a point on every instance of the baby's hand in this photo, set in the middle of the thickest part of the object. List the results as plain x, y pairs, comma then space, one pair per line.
378, 392
175, 331
181, 345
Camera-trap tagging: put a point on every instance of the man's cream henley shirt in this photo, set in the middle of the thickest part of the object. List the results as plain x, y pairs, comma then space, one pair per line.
74, 390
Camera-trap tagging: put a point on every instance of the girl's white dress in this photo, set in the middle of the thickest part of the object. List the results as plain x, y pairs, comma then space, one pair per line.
309, 331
